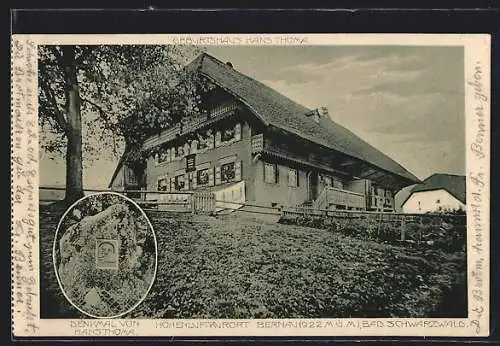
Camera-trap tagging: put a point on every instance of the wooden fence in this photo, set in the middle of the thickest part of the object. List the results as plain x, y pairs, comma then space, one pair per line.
356, 214
205, 202
186, 201
449, 230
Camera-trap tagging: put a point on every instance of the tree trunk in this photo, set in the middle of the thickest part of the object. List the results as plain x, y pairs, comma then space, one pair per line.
74, 164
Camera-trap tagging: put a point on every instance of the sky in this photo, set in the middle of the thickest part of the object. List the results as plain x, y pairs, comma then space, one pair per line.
407, 102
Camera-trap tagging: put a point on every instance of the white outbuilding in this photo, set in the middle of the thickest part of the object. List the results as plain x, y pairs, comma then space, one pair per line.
438, 193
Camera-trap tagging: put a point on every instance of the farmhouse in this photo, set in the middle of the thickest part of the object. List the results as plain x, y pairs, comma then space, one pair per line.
439, 192
257, 146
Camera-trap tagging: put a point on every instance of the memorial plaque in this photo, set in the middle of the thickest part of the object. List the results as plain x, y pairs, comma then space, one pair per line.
107, 253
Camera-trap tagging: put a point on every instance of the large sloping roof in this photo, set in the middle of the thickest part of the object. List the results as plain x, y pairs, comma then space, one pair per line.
453, 184
279, 111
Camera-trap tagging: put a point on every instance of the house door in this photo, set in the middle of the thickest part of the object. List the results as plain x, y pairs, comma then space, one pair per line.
312, 185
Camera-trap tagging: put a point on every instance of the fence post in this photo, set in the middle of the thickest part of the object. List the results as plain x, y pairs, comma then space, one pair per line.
193, 203
403, 228
213, 203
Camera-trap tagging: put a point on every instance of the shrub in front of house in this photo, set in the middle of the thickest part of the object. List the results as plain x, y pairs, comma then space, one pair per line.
437, 231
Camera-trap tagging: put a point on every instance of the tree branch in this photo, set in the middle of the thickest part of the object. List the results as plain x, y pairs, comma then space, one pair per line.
95, 105
57, 54
101, 111
83, 54
58, 115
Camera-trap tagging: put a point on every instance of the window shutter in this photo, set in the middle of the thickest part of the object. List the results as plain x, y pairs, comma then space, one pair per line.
168, 155
217, 175
186, 149
210, 142
217, 139
193, 180
237, 132
237, 170
186, 181
194, 146
167, 183
211, 177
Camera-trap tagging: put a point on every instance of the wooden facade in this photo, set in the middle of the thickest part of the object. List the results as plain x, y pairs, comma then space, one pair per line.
232, 144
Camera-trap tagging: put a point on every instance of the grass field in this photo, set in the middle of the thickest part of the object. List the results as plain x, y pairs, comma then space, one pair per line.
239, 267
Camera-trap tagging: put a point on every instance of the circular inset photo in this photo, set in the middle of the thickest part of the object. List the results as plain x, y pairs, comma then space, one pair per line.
105, 255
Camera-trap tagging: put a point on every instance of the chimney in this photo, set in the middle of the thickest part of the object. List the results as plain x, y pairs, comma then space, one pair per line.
318, 113
323, 112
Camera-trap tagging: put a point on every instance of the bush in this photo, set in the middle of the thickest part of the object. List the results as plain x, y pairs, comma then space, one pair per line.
443, 231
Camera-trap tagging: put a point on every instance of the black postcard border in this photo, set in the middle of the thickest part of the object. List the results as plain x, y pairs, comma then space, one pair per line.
147, 17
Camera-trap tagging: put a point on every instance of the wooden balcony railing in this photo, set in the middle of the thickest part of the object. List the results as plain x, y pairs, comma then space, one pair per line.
381, 202
166, 135
191, 124
331, 196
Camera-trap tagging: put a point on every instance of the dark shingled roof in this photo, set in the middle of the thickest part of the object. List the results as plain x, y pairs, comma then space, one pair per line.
454, 184
279, 111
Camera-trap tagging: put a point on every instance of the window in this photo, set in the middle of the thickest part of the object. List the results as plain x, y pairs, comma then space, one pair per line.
163, 184
205, 142
270, 173
130, 177
293, 177
227, 172
228, 135
202, 145
179, 182
438, 201
163, 155
180, 152
202, 176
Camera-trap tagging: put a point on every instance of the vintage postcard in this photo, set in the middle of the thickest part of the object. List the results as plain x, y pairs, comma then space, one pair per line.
250, 185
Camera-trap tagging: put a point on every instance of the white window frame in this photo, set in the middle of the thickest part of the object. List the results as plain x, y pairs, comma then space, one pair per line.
198, 171
234, 170
275, 178
176, 179
158, 183
296, 182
